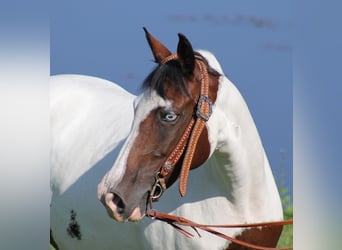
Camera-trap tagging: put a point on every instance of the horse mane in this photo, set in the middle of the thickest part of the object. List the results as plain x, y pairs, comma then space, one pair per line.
171, 72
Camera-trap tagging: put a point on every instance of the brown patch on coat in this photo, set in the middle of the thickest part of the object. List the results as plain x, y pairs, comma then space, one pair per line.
265, 236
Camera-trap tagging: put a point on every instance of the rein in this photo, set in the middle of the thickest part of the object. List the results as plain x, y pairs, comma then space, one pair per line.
177, 221
189, 141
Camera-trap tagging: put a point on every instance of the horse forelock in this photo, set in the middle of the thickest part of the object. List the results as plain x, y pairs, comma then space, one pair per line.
164, 75
171, 73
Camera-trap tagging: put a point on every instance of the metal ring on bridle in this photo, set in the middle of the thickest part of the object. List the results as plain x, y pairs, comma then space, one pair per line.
156, 191
157, 188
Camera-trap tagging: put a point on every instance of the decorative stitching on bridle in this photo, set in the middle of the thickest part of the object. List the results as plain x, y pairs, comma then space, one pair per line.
189, 138
169, 58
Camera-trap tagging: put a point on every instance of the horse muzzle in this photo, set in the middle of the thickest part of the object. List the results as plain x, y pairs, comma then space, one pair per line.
118, 210
118, 206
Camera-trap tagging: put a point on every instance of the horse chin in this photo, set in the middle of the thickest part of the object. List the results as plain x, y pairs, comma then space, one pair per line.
136, 215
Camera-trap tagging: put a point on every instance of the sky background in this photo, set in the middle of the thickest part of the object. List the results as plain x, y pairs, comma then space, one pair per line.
251, 40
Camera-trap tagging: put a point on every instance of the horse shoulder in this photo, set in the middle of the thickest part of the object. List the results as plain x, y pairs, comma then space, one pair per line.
89, 116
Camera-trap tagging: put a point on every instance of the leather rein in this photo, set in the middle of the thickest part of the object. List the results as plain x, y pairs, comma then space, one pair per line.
189, 141
177, 221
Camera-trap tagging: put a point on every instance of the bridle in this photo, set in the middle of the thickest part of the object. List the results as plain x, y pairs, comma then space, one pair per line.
189, 141
189, 138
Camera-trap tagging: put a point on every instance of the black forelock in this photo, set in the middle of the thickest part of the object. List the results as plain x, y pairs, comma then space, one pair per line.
170, 72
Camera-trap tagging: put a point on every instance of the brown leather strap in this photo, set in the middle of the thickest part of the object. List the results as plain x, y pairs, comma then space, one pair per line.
192, 131
177, 221
203, 112
169, 58
175, 155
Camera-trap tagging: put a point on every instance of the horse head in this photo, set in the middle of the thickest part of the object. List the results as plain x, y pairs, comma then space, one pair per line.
176, 101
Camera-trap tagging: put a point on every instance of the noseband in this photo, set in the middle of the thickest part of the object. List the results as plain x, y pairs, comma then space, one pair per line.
189, 138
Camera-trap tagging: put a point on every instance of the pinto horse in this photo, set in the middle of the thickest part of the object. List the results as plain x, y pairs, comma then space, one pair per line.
191, 117
90, 119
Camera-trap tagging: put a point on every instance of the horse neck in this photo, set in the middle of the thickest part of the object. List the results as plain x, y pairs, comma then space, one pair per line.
238, 155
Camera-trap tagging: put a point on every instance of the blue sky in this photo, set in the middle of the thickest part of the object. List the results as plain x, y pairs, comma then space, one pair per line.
251, 40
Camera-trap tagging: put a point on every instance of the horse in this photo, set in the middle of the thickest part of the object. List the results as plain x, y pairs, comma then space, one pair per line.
192, 126
90, 117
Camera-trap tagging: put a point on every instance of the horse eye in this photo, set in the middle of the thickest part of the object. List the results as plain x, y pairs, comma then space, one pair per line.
169, 116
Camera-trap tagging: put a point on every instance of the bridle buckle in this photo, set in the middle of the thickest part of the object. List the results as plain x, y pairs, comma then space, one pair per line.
199, 113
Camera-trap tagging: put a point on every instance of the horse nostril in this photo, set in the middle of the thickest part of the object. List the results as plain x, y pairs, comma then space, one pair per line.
120, 205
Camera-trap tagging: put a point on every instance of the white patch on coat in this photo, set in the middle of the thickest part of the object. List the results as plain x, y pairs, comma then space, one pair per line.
143, 105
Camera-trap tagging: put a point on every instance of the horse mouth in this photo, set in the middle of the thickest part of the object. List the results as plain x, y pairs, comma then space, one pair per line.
118, 210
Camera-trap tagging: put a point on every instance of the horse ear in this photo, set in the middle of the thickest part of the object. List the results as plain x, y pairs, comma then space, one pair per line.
158, 49
186, 55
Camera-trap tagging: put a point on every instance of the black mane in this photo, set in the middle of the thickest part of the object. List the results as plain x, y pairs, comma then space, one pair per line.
171, 72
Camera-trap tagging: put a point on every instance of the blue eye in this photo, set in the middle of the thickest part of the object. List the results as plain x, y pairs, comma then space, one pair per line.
169, 116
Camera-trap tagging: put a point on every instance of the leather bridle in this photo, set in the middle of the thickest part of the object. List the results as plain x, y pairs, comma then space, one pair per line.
189, 141
189, 138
